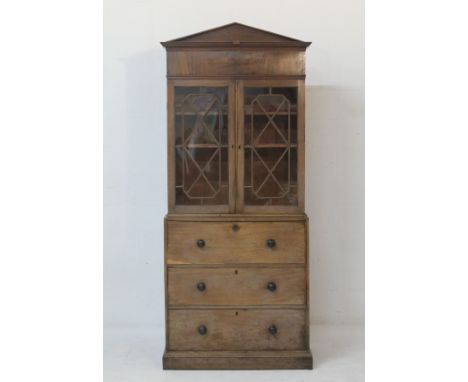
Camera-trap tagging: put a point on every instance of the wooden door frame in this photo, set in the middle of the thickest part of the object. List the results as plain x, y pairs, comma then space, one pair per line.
171, 85
240, 85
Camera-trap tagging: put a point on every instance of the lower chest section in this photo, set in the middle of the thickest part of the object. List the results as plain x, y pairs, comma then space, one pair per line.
236, 286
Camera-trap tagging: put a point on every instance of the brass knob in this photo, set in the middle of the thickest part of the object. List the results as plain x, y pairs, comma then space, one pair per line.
200, 243
201, 286
273, 330
202, 330
271, 243
271, 286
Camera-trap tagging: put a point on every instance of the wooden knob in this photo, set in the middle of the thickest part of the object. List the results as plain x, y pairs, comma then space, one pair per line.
271, 286
201, 286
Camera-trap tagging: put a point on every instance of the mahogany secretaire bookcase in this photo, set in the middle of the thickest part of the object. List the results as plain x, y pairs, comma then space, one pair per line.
236, 251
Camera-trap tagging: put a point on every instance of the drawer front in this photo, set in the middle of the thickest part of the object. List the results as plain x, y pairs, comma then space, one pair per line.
236, 286
236, 329
245, 242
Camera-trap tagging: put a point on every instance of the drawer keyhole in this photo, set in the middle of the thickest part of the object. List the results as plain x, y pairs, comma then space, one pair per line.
235, 227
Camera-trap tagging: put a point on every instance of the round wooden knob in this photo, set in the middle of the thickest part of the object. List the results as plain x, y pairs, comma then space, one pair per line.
271, 243
202, 330
201, 286
273, 330
271, 286
200, 243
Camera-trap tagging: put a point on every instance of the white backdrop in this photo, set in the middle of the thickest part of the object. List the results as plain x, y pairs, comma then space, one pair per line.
135, 197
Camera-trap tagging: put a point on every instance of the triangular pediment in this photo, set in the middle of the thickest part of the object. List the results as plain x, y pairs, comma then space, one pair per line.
235, 34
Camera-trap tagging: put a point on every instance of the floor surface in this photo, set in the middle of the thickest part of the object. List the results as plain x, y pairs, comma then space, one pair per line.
135, 355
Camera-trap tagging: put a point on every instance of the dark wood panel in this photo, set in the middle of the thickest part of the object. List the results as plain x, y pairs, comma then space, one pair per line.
232, 62
235, 34
267, 217
237, 360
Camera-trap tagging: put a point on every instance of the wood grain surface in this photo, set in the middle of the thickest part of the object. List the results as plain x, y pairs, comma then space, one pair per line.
224, 245
237, 329
236, 286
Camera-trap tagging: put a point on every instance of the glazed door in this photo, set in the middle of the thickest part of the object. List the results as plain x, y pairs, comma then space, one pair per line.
201, 146
270, 160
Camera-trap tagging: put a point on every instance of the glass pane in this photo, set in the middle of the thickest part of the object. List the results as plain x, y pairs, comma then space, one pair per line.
201, 138
270, 136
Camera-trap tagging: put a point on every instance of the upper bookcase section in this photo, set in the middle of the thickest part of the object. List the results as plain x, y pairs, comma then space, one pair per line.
235, 36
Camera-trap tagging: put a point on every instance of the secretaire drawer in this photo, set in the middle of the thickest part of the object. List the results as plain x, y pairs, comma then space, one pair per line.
236, 286
227, 242
243, 329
